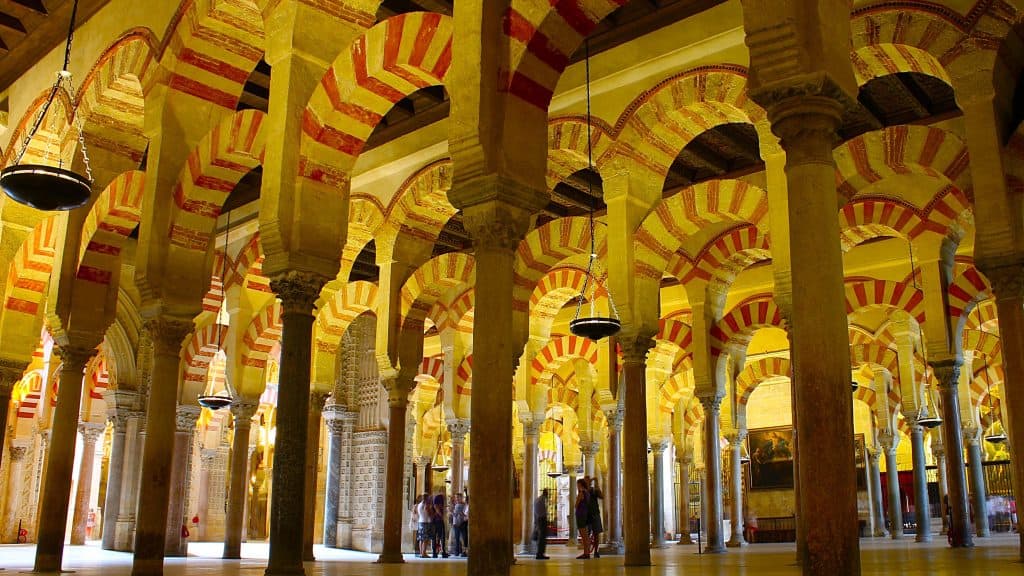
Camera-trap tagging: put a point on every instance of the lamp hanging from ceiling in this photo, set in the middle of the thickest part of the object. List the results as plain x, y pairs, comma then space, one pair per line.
225, 397
42, 186
925, 417
998, 435
595, 326
440, 463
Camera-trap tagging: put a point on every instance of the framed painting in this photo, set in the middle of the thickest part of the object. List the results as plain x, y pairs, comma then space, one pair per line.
771, 458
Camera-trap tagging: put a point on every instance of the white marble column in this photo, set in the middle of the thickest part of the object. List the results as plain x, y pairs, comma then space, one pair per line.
658, 446
736, 540
940, 468
589, 451
91, 432
876, 490
531, 431
713, 473
134, 445
613, 492
573, 532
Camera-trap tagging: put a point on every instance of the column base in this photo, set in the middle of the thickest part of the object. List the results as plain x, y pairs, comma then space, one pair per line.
923, 537
528, 549
655, 545
882, 533
614, 548
284, 572
391, 559
685, 540
715, 550
735, 542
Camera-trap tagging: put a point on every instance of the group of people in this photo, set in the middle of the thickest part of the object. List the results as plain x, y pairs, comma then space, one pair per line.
588, 518
431, 516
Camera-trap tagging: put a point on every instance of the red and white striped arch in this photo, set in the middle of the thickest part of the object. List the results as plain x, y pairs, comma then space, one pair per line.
30, 270
984, 317
344, 307
672, 346
420, 209
983, 344
200, 350
900, 150
31, 385
685, 213
390, 61
898, 295
559, 350
544, 248
432, 281
263, 332
213, 169
562, 394
567, 146
758, 371
724, 257
868, 218
553, 291
211, 48
874, 355
451, 314
110, 221
739, 324
674, 388
365, 218
968, 289
55, 141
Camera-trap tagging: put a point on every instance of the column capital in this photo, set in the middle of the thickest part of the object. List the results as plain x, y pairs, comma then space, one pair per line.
531, 428
938, 452
422, 461
711, 403
658, 445
458, 429
167, 333
337, 417
18, 452
186, 416
1006, 278
71, 354
736, 438
317, 400
90, 431
119, 419
888, 440
243, 410
635, 346
297, 290
590, 449
947, 372
11, 372
971, 435
614, 417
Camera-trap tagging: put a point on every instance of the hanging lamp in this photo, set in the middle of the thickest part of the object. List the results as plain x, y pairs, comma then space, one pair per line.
42, 186
224, 398
440, 463
997, 437
925, 417
595, 327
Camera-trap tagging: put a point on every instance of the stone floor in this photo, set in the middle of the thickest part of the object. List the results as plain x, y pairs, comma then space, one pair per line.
996, 555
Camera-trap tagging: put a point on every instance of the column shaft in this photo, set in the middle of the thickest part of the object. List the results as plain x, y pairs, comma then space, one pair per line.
529, 492
892, 478
83, 493
135, 437
683, 517
940, 467
713, 473
979, 497
635, 497
573, 532
877, 508
10, 373
922, 507
394, 515
298, 292
736, 491
175, 542
948, 374
115, 474
56, 496
332, 495
312, 468
238, 479
657, 496
614, 491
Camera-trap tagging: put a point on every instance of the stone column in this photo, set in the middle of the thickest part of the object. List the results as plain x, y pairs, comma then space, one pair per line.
207, 457
713, 473
613, 491
683, 517
241, 413
317, 399
589, 451
531, 430
394, 513
333, 416
181, 480
877, 508
940, 469
298, 291
892, 477
16, 477
56, 496
979, 498
166, 335
635, 495
948, 374
90, 432
736, 540
458, 430
573, 532
115, 475
10, 373
922, 509
658, 447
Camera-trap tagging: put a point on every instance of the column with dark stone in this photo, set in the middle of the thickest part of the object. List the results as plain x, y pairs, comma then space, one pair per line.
684, 462
736, 540
317, 399
531, 432
890, 442
613, 491
636, 492
135, 440
713, 472
242, 412
91, 432
394, 513
175, 542
298, 292
877, 507
922, 508
458, 430
658, 446
333, 416
56, 496
948, 374
979, 496
939, 453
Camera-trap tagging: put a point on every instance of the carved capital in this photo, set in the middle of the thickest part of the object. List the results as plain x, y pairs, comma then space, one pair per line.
167, 333
187, 416
888, 440
497, 225
531, 428
712, 404
75, 357
90, 431
736, 438
298, 291
614, 417
971, 435
590, 449
947, 372
11, 372
243, 411
18, 452
422, 461
1007, 281
458, 429
658, 445
119, 420
635, 347
317, 400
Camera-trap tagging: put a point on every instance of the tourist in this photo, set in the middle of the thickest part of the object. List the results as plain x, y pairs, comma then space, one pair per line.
459, 521
540, 523
594, 524
583, 517
423, 534
438, 527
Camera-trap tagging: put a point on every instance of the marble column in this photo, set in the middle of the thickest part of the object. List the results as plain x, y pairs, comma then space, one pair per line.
135, 439
10, 373
713, 473
683, 516
613, 491
658, 447
333, 416
317, 399
573, 532
90, 432
635, 493
207, 457
979, 498
166, 335
892, 479
806, 115
736, 540
877, 507
238, 479
922, 508
394, 512
115, 475
589, 451
940, 468
16, 477
175, 544
531, 432
298, 292
56, 496
458, 430
948, 374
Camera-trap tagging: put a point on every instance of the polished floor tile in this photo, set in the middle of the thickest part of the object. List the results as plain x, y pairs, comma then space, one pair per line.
992, 556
